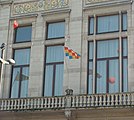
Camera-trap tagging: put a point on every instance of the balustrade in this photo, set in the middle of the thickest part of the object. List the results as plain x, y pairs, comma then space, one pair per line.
69, 101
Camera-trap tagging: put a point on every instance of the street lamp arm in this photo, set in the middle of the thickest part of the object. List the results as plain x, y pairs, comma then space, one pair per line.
7, 62
11, 61
4, 61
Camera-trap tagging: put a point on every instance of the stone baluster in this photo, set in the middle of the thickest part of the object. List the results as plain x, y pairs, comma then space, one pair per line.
124, 99
96, 100
1, 104
104, 100
11, 104
56, 102
49, 102
84, 101
59, 102
100, 100
63, 102
112, 100
88, 101
120, 99
108, 100
128, 99
45, 103
92, 100
42, 103
81, 101
52, 103
116, 99
5, 105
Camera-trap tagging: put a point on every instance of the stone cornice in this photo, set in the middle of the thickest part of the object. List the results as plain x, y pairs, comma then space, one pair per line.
24, 16
101, 3
42, 5
56, 11
4, 2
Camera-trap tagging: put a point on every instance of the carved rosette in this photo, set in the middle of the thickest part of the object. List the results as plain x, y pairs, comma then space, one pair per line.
42, 5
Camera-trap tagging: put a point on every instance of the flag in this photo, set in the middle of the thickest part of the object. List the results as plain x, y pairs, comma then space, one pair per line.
23, 77
15, 24
111, 80
91, 73
71, 54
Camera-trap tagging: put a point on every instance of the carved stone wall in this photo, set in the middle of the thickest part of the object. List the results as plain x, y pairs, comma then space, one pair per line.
42, 5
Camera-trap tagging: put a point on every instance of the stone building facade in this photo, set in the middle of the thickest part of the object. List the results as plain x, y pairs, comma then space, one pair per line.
102, 80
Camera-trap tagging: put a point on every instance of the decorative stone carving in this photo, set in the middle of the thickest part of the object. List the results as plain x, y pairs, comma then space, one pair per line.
42, 5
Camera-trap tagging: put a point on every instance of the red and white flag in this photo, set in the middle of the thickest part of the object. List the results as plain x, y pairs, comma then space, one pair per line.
15, 24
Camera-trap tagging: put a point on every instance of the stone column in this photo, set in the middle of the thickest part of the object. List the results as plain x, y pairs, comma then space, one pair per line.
72, 73
131, 48
37, 59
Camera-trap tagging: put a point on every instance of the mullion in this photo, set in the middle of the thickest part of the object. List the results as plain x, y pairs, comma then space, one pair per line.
107, 76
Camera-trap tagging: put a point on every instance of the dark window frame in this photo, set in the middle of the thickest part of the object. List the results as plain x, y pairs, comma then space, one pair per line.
107, 59
15, 33
89, 60
108, 31
107, 66
21, 68
89, 18
52, 22
122, 58
54, 70
122, 21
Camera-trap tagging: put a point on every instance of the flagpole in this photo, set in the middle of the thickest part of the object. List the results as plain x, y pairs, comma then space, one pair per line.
67, 42
67, 73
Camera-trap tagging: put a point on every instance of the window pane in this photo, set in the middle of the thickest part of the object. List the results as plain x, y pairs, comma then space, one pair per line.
54, 70
125, 75
113, 78
56, 30
15, 83
125, 65
22, 56
91, 25
107, 66
107, 24
91, 49
125, 47
23, 34
101, 77
55, 54
90, 78
48, 80
107, 49
59, 80
24, 82
90, 67
124, 21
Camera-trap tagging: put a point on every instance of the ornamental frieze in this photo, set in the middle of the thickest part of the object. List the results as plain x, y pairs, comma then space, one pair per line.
42, 5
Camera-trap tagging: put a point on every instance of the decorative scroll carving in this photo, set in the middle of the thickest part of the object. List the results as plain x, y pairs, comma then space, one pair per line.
42, 5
